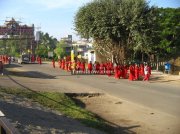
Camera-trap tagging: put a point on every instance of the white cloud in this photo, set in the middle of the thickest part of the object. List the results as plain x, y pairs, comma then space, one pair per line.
51, 4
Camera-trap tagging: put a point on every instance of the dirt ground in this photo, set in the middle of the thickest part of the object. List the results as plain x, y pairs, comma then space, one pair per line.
127, 117
131, 117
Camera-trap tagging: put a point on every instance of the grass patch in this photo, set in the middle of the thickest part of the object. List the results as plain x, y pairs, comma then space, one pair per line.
63, 104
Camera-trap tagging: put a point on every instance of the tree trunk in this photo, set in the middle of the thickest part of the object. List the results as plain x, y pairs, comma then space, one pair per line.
142, 57
157, 63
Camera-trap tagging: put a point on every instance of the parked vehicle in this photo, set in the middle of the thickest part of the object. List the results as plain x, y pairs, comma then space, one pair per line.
24, 59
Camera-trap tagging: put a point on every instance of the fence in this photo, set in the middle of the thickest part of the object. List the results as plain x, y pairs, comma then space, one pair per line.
5, 126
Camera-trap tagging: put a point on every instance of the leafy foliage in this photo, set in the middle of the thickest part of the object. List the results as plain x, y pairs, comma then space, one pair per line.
169, 32
117, 26
59, 49
46, 43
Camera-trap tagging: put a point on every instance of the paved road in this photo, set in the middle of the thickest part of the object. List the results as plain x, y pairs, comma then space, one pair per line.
160, 96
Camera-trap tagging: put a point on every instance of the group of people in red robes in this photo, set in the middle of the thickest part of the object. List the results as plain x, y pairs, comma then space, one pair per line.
63, 64
4, 58
131, 72
136, 72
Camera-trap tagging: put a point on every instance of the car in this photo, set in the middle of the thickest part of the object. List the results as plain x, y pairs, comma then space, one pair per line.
23, 59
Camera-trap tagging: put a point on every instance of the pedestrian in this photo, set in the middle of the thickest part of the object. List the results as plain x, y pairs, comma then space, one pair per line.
141, 72
146, 73
136, 69
1, 67
82, 67
90, 67
9, 60
101, 68
40, 60
53, 63
131, 72
116, 68
125, 70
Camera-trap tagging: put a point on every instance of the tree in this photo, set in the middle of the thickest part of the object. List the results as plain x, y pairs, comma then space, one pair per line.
169, 33
117, 27
59, 49
46, 43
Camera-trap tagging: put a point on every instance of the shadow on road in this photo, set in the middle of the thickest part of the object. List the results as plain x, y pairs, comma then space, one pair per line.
110, 127
32, 74
160, 79
39, 121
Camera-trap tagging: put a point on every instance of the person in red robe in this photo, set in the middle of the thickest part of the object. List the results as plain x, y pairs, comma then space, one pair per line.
116, 72
97, 68
141, 70
1, 67
69, 66
82, 66
90, 67
131, 72
108, 69
149, 71
125, 70
78, 65
32, 58
39, 60
101, 68
66, 65
53, 63
136, 72
59, 63
63, 64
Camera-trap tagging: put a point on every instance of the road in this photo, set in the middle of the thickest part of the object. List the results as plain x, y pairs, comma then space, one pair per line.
158, 96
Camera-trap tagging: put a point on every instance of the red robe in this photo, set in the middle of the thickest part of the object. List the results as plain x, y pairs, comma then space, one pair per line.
108, 71
90, 67
53, 63
136, 72
116, 71
101, 68
141, 70
131, 73
82, 66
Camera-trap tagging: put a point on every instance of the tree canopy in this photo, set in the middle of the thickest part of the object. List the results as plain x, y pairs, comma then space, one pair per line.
169, 32
117, 26
46, 43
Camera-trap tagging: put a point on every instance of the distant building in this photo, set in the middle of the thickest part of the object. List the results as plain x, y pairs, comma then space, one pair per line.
12, 29
85, 49
68, 44
82, 47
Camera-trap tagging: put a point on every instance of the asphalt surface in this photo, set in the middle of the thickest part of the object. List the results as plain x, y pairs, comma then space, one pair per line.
159, 96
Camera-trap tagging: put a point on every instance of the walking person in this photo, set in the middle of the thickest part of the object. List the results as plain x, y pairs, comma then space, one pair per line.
1, 67
146, 73
136, 72
131, 72
53, 63
90, 67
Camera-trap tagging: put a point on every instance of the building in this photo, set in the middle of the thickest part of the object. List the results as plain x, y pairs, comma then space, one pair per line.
84, 48
12, 30
81, 48
68, 44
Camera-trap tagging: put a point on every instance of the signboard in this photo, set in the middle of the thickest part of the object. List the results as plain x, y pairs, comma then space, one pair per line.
37, 37
50, 54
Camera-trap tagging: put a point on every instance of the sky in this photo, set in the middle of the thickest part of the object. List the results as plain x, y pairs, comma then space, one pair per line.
55, 17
